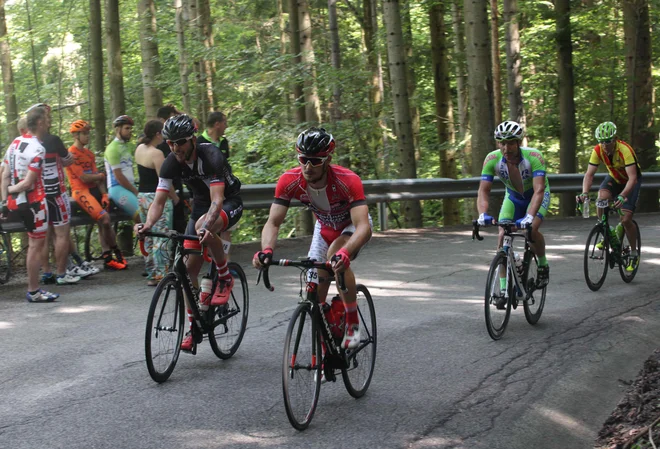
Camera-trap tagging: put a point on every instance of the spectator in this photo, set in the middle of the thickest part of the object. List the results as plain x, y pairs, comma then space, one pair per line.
214, 133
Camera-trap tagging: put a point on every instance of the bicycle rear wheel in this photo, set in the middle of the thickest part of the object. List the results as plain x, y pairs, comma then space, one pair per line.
533, 306
93, 250
361, 360
164, 332
628, 276
596, 258
497, 302
5, 258
230, 320
301, 367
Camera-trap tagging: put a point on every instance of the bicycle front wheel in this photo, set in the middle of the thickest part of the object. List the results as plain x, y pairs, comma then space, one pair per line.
626, 248
497, 300
596, 258
361, 360
164, 329
533, 306
5, 258
301, 367
230, 320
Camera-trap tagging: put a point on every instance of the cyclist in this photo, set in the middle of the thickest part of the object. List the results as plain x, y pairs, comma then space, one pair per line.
336, 196
120, 177
88, 190
217, 204
623, 181
523, 172
23, 188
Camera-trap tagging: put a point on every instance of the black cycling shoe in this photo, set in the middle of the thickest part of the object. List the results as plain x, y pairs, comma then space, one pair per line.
499, 302
542, 277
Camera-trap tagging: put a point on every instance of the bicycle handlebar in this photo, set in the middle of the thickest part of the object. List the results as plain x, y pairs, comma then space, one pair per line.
305, 263
173, 235
508, 226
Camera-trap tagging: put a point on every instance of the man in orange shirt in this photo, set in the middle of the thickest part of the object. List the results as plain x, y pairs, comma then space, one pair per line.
88, 190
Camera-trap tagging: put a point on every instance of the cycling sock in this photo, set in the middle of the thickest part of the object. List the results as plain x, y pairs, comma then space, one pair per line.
351, 313
633, 253
48, 275
543, 261
223, 271
190, 319
502, 284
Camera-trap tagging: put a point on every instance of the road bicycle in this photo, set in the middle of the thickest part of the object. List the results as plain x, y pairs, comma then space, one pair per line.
312, 347
521, 282
603, 250
224, 326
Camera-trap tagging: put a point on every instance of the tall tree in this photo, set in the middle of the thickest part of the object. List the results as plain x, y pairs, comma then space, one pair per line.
180, 25
480, 81
495, 57
412, 76
115, 64
639, 81
150, 59
96, 74
516, 110
461, 86
568, 136
11, 109
207, 66
444, 118
294, 29
335, 57
312, 104
396, 54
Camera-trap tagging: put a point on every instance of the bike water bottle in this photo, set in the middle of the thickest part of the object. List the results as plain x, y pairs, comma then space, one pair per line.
339, 312
613, 237
585, 208
206, 291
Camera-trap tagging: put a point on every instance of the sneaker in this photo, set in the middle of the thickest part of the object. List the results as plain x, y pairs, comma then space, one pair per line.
351, 337
77, 271
42, 296
66, 279
120, 257
223, 292
543, 276
48, 279
113, 265
633, 261
88, 266
188, 342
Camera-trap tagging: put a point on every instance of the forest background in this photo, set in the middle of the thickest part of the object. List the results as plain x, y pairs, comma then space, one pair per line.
408, 88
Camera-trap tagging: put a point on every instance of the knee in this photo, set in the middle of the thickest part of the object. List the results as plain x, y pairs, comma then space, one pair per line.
104, 220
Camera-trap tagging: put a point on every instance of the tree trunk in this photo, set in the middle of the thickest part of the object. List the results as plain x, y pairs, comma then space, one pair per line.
495, 57
335, 57
480, 81
206, 65
410, 210
34, 55
464, 148
11, 109
639, 82
568, 136
286, 96
150, 60
444, 117
96, 74
411, 76
516, 110
115, 65
312, 105
294, 27
180, 24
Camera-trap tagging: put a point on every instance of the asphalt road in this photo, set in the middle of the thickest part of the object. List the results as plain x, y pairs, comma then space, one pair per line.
73, 375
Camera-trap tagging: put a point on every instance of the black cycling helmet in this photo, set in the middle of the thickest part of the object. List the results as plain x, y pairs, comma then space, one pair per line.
179, 127
123, 120
315, 142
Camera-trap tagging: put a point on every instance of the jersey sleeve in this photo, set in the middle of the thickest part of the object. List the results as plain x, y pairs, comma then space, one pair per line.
594, 159
538, 163
217, 162
488, 169
37, 160
113, 156
164, 185
283, 194
629, 157
357, 193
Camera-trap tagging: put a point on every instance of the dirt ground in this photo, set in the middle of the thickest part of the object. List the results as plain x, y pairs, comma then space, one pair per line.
628, 425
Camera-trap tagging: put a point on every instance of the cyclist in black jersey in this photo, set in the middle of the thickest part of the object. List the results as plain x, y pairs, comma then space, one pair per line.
217, 204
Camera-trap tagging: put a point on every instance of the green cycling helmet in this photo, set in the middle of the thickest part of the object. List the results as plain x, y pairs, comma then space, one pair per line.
605, 131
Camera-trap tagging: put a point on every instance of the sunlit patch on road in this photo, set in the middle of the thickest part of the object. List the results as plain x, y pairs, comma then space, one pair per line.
83, 309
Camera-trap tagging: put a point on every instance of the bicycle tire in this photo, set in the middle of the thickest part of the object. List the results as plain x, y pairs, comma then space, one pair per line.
5, 258
93, 249
165, 328
356, 379
301, 384
233, 316
628, 277
493, 292
600, 256
533, 314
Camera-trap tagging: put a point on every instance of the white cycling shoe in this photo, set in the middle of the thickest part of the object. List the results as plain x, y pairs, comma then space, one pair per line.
351, 337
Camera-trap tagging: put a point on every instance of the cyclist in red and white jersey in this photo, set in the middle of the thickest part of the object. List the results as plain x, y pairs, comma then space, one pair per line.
22, 186
336, 196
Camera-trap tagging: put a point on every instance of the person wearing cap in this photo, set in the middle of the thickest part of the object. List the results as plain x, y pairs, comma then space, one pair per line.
88, 190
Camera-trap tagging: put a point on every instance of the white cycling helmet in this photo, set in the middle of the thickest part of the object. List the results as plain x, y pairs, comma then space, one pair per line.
509, 130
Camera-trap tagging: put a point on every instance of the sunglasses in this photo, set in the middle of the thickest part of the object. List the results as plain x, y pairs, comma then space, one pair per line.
315, 161
179, 142
606, 140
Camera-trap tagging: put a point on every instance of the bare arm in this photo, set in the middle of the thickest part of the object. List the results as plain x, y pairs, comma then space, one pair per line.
25, 184
158, 159
272, 228
589, 178
217, 198
4, 183
125, 183
483, 196
92, 178
362, 234
537, 199
631, 170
